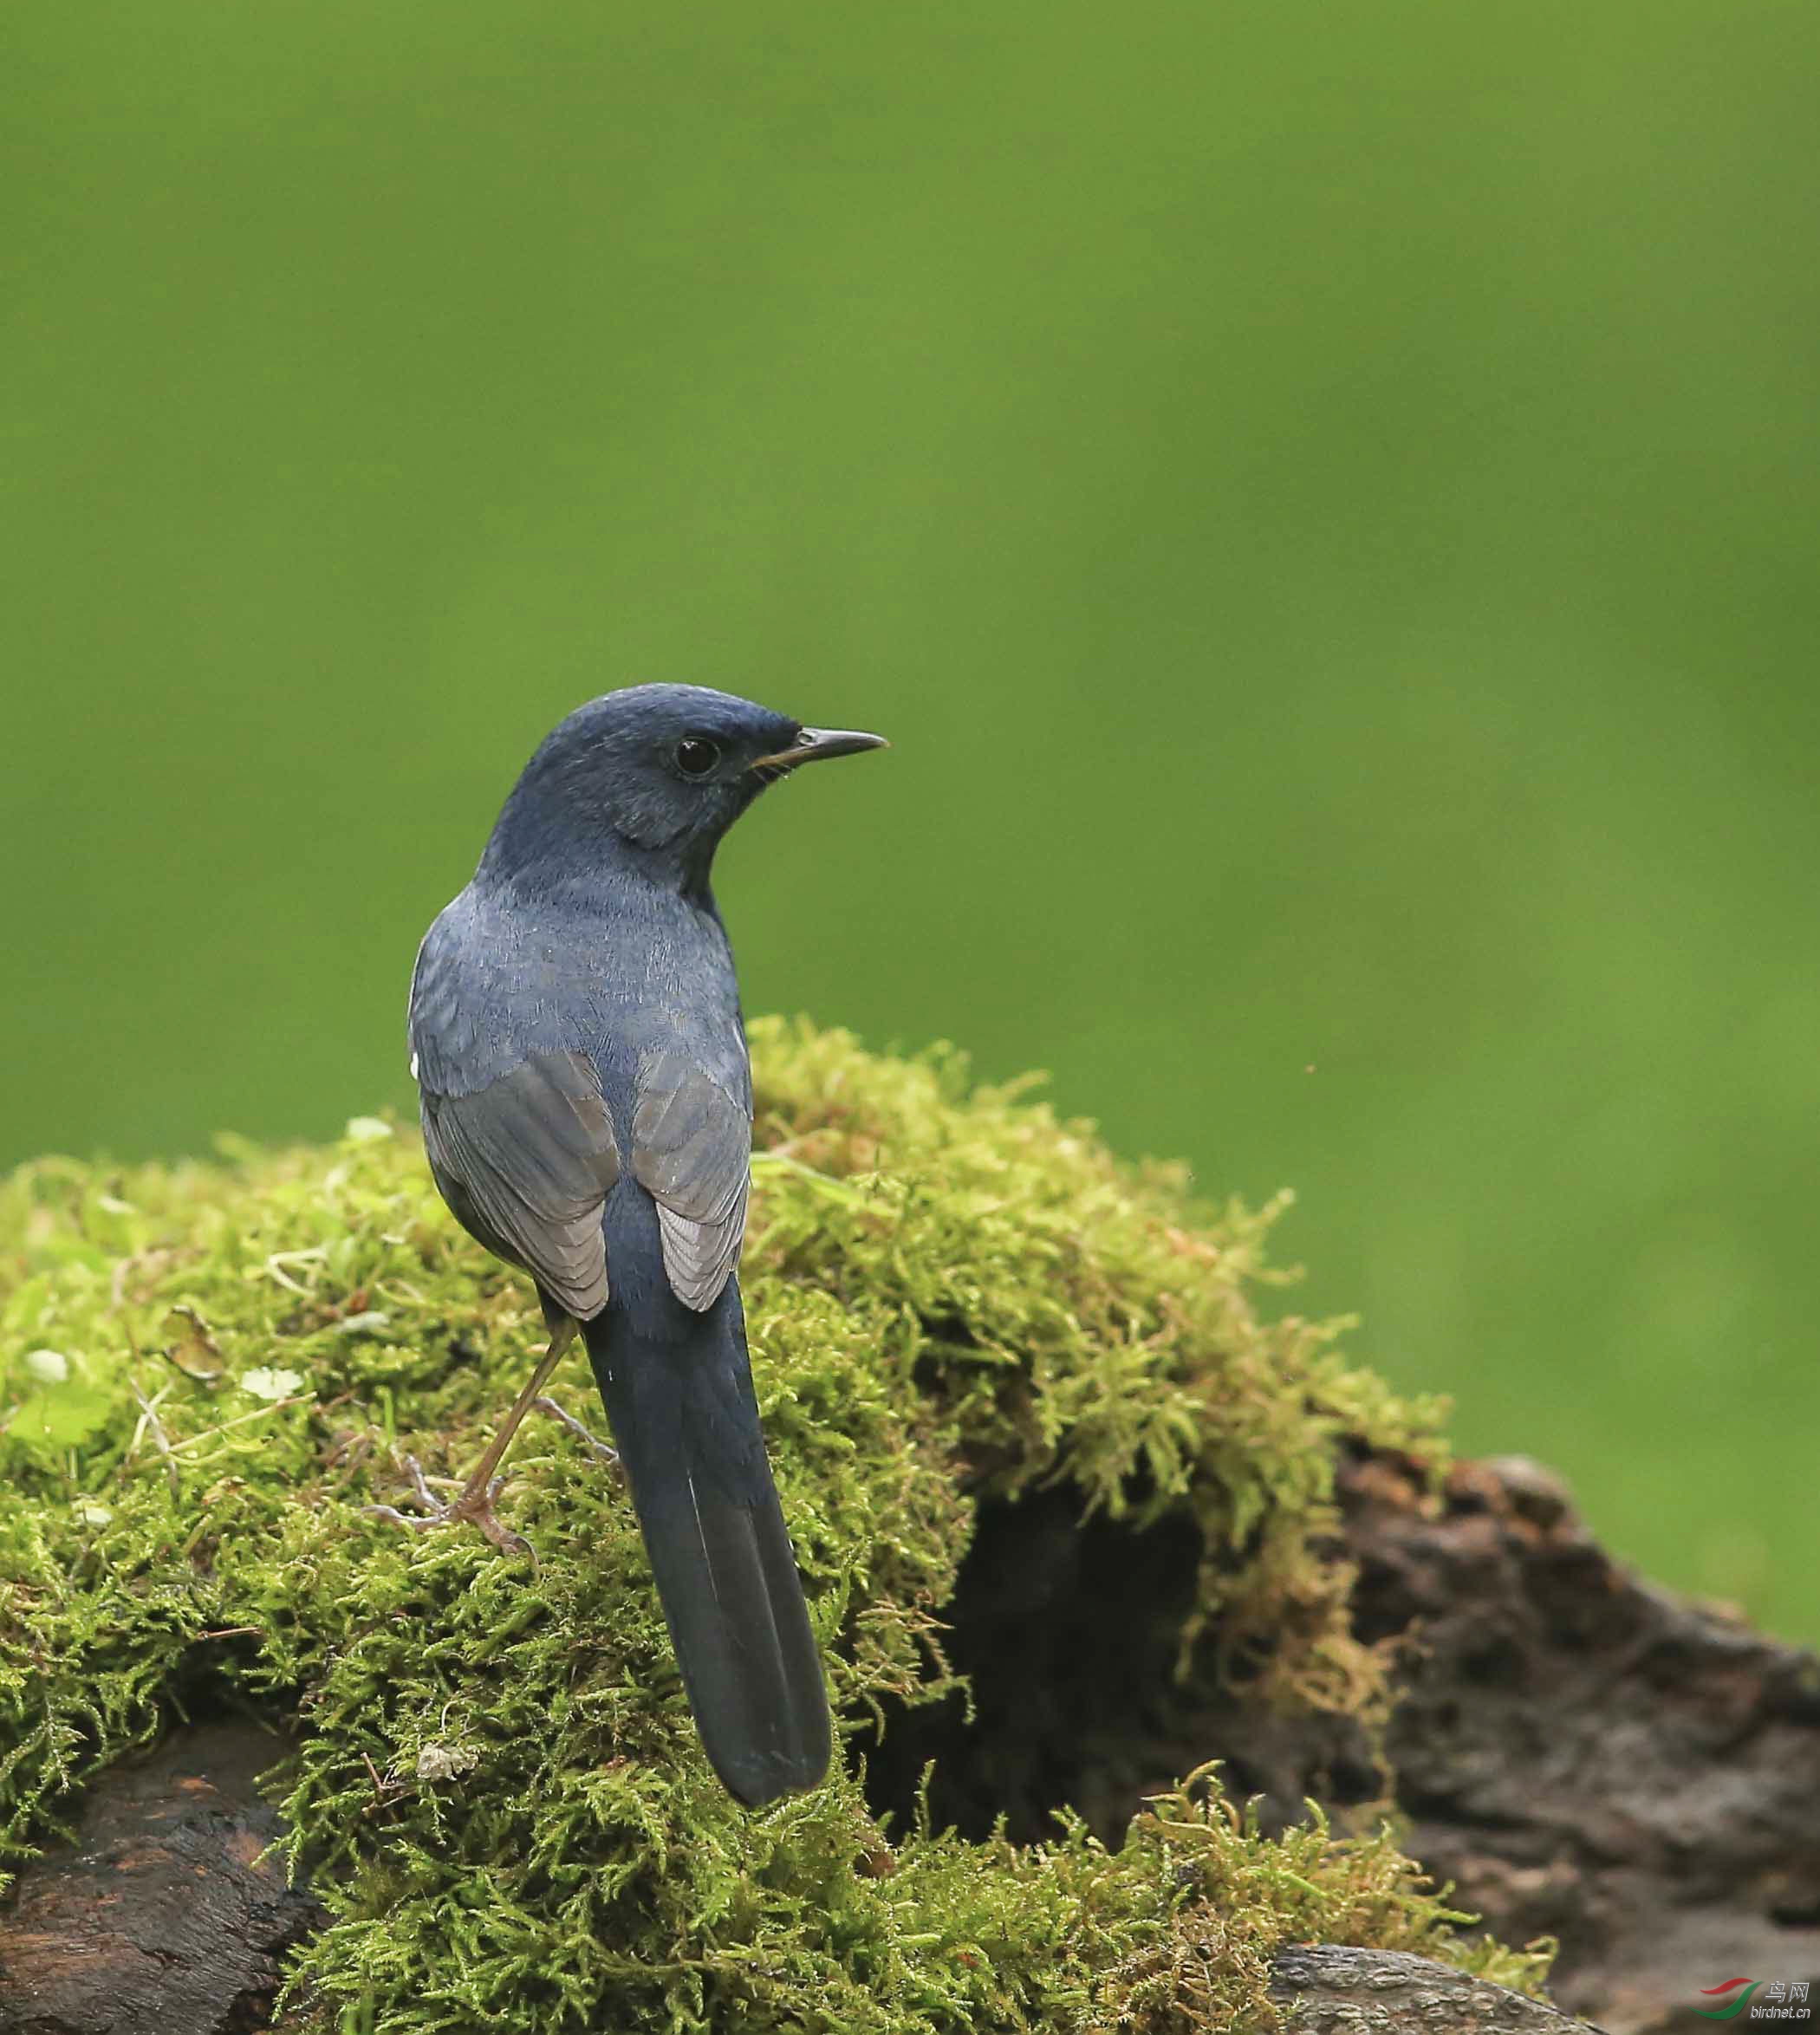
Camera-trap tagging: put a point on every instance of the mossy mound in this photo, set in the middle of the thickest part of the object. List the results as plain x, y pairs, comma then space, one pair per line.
488, 1766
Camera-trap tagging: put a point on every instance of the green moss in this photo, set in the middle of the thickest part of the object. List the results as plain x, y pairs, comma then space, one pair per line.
209, 1369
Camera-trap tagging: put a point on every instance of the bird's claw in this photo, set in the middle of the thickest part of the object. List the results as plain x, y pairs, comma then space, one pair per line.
474, 1506
477, 1506
473, 1503
597, 1448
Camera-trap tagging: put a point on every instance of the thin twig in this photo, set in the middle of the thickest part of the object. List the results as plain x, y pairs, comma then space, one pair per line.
838, 1189
150, 1424
275, 1265
240, 1419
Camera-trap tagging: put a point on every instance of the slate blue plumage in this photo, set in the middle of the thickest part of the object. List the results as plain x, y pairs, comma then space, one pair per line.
576, 1037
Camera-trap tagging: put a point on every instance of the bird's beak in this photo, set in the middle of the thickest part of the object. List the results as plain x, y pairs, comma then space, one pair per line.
817, 744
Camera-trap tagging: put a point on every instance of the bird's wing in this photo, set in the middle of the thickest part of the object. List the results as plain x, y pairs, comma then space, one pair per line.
692, 1147
526, 1163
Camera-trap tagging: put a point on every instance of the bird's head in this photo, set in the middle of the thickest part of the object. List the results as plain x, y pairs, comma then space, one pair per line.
664, 769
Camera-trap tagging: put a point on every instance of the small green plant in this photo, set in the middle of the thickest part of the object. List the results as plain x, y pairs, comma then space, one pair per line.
486, 1764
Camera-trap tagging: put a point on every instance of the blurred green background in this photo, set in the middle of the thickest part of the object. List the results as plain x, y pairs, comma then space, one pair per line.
1324, 499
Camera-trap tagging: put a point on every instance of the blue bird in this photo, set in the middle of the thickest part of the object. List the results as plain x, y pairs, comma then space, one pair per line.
587, 1100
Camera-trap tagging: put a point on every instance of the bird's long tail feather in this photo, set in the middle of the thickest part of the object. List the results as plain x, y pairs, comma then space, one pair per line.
686, 1427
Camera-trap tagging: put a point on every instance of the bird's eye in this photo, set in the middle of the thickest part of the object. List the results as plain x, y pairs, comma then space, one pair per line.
696, 756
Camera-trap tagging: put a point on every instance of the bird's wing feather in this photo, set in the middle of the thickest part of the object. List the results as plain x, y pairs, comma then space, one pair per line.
526, 1162
691, 1146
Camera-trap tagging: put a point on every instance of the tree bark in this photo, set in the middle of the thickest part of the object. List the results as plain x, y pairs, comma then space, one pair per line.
159, 1917
1330, 1989
1587, 1756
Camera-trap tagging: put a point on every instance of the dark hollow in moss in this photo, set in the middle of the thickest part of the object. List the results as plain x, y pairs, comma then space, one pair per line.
1068, 1630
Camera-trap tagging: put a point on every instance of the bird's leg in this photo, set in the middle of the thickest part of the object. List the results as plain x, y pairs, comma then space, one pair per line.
597, 1448
561, 1336
475, 1500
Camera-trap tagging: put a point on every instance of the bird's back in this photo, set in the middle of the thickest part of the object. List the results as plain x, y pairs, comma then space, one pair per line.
553, 1032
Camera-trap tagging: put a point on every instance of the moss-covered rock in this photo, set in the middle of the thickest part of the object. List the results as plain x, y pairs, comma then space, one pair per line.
487, 1765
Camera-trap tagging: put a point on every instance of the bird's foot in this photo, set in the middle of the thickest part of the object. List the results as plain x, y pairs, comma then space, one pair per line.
597, 1448
473, 1504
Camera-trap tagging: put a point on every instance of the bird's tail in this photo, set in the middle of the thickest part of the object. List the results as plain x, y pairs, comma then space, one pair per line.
686, 1426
